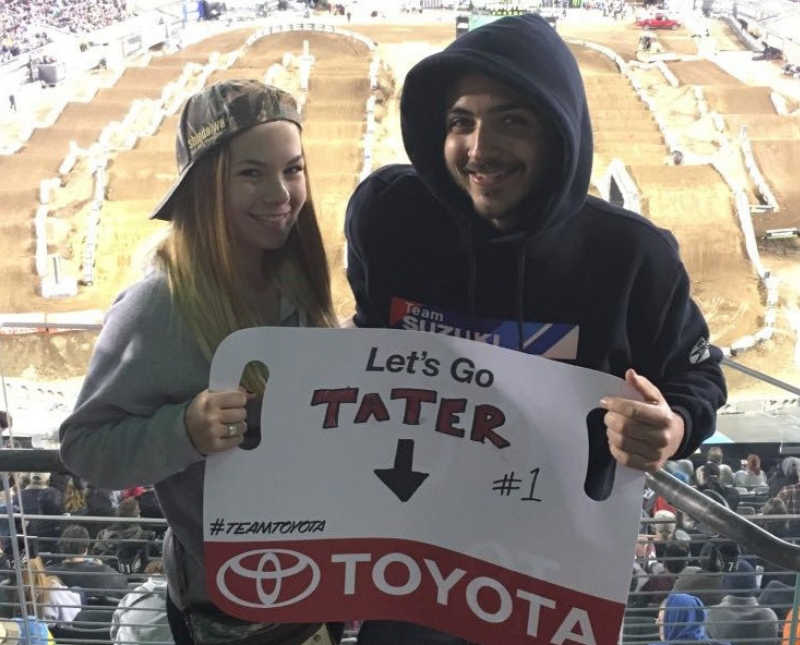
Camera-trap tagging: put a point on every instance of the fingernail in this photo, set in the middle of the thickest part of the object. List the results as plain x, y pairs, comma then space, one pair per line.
604, 402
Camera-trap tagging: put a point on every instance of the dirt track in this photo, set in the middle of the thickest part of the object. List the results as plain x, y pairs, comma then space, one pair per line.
42, 155
694, 202
702, 72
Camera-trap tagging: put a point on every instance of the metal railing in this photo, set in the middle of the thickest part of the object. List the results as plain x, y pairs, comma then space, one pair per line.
98, 605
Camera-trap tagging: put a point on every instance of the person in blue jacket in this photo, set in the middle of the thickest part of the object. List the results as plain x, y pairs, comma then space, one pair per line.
492, 232
681, 619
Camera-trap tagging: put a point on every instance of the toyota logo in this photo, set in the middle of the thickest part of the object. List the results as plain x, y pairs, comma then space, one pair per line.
269, 571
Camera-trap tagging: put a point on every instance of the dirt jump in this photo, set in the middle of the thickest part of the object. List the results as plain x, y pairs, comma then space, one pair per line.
694, 202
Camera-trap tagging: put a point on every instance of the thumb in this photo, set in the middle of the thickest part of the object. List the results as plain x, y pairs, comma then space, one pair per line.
649, 392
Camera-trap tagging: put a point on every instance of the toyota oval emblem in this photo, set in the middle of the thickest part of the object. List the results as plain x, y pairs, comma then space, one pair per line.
272, 568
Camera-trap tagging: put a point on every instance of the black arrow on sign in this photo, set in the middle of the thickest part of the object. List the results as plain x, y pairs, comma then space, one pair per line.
401, 480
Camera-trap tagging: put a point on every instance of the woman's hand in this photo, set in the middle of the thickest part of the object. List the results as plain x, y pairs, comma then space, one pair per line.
216, 421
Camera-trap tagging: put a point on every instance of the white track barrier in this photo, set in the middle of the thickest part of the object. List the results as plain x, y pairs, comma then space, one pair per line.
779, 103
40, 228
699, 96
618, 173
760, 183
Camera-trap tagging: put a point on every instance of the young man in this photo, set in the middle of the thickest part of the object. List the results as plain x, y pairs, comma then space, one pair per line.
492, 227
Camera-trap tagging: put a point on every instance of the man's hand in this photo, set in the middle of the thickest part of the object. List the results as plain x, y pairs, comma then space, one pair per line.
642, 434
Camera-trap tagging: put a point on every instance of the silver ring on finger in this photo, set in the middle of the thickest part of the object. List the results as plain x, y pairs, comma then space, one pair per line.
231, 430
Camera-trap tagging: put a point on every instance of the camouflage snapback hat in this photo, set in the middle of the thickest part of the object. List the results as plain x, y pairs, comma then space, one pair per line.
218, 112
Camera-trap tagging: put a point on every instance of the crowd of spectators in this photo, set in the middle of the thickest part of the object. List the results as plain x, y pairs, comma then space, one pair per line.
22, 21
688, 583
83, 577
692, 584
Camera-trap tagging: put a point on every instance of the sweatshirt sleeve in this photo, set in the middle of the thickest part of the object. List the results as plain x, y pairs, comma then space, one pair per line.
127, 427
689, 374
361, 204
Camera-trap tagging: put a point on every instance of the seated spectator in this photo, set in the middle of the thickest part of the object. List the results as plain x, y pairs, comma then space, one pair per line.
724, 472
54, 602
697, 535
74, 497
98, 504
29, 496
59, 481
126, 541
713, 487
787, 629
778, 597
19, 21
16, 632
682, 619
663, 578
663, 527
639, 578
781, 475
704, 581
141, 616
45, 531
781, 529
79, 570
645, 551
659, 502
752, 475
739, 616
149, 504
790, 493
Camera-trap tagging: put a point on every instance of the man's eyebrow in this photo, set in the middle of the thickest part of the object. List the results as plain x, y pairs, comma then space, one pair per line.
507, 107
504, 107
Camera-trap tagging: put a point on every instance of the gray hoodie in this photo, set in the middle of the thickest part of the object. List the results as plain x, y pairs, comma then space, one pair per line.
127, 427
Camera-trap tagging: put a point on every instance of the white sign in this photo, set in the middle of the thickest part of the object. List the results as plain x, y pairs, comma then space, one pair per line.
413, 476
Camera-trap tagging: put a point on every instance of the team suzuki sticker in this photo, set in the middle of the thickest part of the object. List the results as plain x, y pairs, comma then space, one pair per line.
419, 477
557, 340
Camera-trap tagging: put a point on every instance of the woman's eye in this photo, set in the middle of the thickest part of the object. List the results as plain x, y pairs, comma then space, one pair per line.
250, 172
294, 170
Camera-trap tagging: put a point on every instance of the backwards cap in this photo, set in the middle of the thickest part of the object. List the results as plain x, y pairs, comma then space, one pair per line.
215, 114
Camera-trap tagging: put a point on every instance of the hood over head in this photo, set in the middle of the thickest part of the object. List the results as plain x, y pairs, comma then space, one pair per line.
525, 53
684, 618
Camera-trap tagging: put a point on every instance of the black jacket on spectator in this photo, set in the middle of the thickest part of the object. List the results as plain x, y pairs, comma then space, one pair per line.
30, 499
92, 574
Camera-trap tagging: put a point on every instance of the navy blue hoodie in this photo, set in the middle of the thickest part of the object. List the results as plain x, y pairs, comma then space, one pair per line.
413, 234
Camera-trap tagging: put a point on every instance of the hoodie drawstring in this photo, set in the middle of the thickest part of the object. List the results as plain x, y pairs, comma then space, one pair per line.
522, 255
521, 249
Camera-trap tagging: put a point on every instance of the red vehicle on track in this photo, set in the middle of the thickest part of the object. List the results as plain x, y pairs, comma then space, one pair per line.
659, 21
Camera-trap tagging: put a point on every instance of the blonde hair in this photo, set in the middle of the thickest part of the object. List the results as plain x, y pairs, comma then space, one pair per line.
198, 257
39, 589
74, 497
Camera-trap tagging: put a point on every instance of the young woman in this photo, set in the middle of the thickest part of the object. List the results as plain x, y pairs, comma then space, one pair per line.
54, 602
243, 250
